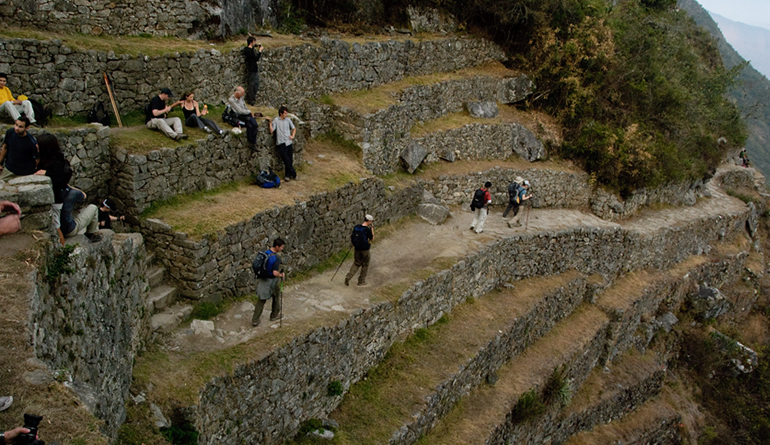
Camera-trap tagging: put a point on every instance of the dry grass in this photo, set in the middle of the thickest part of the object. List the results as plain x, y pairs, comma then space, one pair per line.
371, 100
208, 213
471, 421
628, 429
541, 124
65, 419
395, 390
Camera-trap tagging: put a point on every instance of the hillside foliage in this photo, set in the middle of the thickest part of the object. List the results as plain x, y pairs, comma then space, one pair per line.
639, 88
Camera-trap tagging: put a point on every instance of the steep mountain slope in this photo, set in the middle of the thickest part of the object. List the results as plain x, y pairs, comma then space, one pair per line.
752, 94
751, 42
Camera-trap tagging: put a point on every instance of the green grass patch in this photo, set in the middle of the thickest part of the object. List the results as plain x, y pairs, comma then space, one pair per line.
60, 262
207, 310
180, 200
745, 197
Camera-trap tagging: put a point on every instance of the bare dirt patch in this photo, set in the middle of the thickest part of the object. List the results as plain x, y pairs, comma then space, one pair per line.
200, 214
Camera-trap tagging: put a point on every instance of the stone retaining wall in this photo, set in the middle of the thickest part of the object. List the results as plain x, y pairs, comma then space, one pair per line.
300, 371
70, 81
202, 165
219, 265
478, 142
608, 206
379, 133
551, 188
94, 333
180, 18
88, 150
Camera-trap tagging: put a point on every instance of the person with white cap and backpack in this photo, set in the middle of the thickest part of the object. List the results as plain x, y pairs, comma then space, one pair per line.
361, 239
517, 194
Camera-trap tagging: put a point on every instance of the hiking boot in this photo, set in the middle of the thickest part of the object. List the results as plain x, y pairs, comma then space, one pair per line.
362, 283
473, 228
93, 237
347, 281
286, 179
255, 324
183, 136
276, 318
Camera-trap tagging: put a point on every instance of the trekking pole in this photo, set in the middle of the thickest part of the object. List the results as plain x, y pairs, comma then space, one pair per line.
338, 267
526, 224
280, 321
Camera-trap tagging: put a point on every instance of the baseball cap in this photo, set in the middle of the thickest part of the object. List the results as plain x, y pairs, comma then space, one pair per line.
110, 204
167, 91
369, 218
526, 183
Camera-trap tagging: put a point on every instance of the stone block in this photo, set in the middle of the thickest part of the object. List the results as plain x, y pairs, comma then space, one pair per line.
204, 328
413, 155
433, 213
709, 303
483, 110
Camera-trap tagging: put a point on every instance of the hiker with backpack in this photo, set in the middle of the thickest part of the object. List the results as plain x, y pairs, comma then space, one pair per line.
480, 206
266, 267
361, 239
517, 194
14, 107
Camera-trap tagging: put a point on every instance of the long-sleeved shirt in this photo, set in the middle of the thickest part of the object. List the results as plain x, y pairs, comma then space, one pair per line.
238, 105
5, 95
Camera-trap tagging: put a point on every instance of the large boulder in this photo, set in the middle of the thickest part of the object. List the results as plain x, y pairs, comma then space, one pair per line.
433, 213
709, 303
526, 144
413, 155
742, 359
483, 110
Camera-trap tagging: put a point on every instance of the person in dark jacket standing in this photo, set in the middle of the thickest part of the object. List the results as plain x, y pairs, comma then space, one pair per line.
252, 53
361, 237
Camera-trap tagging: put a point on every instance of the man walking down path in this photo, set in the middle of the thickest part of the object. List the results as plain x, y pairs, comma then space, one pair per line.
284, 138
252, 67
517, 194
14, 107
156, 116
480, 205
361, 238
268, 287
20, 151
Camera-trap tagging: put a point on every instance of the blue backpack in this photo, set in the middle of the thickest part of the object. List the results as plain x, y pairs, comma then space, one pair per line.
267, 180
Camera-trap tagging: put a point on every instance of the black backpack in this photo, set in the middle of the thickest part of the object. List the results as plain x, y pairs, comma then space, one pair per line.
513, 191
232, 118
358, 238
478, 199
41, 113
99, 114
259, 265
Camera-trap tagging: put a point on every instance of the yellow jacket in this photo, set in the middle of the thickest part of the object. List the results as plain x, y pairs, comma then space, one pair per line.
5, 96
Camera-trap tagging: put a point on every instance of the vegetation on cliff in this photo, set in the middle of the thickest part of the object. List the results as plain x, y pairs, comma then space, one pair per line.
639, 87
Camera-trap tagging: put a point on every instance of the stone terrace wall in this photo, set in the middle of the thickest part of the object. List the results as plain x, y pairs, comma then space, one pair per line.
34, 196
219, 265
95, 332
202, 165
179, 18
88, 150
478, 141
70, 81
608, 206
551, 188
379, 133
300, 371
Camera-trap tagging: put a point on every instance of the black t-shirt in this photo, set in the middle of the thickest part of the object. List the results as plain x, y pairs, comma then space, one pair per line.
252, 56
188, 113
155, 104
104, 217
22, 153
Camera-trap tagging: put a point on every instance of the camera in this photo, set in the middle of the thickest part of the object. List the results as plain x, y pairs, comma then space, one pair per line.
31, 421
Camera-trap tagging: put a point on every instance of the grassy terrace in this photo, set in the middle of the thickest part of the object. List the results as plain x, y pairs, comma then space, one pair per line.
372, 100
392, 392
156, 46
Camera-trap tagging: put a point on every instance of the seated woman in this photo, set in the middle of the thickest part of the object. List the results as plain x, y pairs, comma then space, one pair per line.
192, 115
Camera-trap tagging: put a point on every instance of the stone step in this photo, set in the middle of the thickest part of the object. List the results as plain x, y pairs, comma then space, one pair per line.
151, 258
574, 346
162, 296
166, 321
654, 423
420, 381
156, 275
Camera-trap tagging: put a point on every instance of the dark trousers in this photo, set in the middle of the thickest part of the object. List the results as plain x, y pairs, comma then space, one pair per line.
202, 122
287, 155
512, 205
251, 127
360, 259
251, 93
275, 311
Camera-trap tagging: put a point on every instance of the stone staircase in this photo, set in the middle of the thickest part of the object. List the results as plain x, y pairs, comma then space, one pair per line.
162, 301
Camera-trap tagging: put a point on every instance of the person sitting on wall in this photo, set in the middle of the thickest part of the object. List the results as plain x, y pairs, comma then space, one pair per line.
105, 217
14, 107
238, 105
156, 116
10, 222
193, 117
19, 151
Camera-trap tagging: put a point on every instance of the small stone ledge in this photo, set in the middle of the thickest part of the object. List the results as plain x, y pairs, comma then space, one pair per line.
34, 196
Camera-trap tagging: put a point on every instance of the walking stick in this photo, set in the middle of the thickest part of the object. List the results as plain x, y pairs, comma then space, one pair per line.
526, 224
338, 267
112, 99
280, 322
